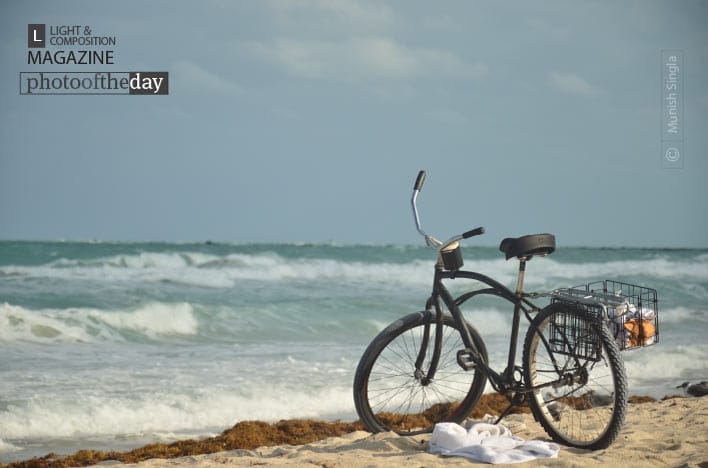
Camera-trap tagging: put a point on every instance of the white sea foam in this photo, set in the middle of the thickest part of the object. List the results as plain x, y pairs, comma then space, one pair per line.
88, 325
490, 321
653, 268
207, 270
159, 413
21, 324
155, 319
661, 367
7, 447
683, 315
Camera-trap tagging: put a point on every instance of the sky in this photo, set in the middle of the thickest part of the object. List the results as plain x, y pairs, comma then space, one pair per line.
308, 120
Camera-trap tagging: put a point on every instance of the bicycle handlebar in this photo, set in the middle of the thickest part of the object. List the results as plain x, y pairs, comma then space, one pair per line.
430, 240
473, 232
419, 181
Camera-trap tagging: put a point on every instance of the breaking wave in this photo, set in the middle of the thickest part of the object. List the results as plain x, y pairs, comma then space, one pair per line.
150, 321
225, 271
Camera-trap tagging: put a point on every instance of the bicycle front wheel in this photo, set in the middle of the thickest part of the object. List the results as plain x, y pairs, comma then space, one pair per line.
576, 376
392, 394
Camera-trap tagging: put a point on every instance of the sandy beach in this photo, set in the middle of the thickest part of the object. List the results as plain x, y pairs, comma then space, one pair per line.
667, 433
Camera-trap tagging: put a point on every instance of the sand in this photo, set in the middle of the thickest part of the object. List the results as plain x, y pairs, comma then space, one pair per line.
667, 433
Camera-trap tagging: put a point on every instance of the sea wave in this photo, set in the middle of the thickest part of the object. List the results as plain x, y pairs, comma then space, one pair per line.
197, 269
292, 321
164, 411
225, 271
7, 447
153, 320
660, 368
683, 315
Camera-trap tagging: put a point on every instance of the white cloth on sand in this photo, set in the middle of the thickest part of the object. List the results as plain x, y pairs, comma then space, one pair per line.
489, 443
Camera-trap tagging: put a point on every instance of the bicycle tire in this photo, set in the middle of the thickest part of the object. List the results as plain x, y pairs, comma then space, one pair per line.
390, 395
585, 411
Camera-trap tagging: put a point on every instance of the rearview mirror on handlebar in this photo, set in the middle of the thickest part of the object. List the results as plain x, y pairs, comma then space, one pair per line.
419, 181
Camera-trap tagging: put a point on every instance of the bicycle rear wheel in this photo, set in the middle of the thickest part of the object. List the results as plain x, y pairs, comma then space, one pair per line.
577, 377
391, 394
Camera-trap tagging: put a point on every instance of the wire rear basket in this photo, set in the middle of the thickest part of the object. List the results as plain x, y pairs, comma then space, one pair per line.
576, 335
630, 311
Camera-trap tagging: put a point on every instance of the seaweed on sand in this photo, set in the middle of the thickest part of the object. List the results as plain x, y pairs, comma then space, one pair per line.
249, 435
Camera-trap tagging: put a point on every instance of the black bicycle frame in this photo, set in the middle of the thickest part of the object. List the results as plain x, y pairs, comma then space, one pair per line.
498, 381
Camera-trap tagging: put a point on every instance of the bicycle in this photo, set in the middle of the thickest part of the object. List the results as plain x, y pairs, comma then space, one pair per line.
432, 366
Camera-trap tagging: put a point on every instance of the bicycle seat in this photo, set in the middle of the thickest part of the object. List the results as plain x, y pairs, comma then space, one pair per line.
528, 246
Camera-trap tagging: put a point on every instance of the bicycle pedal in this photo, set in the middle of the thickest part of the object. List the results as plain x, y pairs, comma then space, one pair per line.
466, 359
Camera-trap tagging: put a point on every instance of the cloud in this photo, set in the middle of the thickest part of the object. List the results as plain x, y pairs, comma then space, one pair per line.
285, 113
439, 22
449, 116
362, 59
571, 84
202, 81
349, 12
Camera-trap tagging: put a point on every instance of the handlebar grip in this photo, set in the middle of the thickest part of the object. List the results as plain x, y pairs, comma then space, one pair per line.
419, 181
473, 232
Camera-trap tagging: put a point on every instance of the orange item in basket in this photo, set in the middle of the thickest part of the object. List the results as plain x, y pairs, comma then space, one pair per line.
648, 331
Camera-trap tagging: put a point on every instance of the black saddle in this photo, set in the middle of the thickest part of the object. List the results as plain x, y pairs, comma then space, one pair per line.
528, 246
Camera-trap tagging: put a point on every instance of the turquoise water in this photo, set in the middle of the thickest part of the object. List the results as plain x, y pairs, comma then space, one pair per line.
120, 344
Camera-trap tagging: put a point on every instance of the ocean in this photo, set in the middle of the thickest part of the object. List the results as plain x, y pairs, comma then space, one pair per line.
115, 345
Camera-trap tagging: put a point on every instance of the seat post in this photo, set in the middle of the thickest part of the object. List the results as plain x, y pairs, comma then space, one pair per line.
509, 371
520, 280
